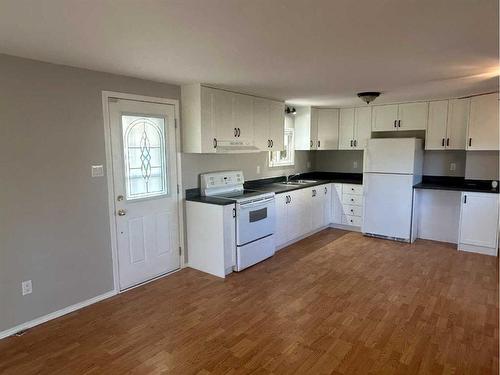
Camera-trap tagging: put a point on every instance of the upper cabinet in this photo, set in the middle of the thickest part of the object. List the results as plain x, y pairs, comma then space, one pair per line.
316, 129
215, 120
395, 117
354, 128
483, 127
268, 124
447, 126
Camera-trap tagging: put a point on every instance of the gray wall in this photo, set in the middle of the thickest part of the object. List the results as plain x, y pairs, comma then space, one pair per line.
54, 225
194, 164
437, 163
482, 165
338, 161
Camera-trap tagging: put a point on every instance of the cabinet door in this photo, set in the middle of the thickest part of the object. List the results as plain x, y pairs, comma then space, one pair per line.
222, 111
413, 116
384, 117
208, 132
281, 234
346, 129
362, 127
479, 219
458, 119
337, 203
261, 123
277, 125
435, 137
326, 191
328, 129
243, 116
314, 129
483, 123
317, 214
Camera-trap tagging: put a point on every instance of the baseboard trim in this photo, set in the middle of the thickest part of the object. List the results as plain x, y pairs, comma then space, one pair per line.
478, 249
55, 314
350, 228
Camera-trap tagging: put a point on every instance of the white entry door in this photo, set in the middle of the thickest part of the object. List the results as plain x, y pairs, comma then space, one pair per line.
143, 144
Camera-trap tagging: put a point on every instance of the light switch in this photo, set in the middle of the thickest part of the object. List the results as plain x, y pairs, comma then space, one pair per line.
258, 169
355, 164
97, 171
453, 166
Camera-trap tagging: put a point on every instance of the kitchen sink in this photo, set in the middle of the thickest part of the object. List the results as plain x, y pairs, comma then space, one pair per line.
299, 182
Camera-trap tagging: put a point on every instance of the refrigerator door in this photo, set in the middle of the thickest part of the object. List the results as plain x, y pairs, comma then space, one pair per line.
387, 205
391, 155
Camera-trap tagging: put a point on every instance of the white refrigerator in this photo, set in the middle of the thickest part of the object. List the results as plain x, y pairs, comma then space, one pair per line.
390, 169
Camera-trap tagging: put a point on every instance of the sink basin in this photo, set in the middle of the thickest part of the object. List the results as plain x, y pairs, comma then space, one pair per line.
298, 182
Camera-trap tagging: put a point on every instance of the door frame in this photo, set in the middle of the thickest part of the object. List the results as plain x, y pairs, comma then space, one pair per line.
106, 95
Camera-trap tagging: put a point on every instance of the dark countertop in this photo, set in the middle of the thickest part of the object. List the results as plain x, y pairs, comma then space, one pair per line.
273, 185
455, 184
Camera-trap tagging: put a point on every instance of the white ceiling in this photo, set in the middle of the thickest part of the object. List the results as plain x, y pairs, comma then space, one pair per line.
319, 52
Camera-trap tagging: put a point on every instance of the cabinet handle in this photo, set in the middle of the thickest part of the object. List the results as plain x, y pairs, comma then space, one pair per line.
395, 123
470, 142
351, 143
272, 143
352, 199
268, 143
319, 143
355, 143
239, 132
465, 199
215, 142
442, 143
326, 190
235, 132
289, 199
311, 144
399, 123
352, 210
447, 142
234, 212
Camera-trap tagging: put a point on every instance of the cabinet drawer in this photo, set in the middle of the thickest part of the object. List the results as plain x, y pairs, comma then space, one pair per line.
353, 210
351, 220
354, 200
353, 189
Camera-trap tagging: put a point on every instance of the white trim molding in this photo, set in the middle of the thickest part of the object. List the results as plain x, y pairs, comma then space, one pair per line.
106, 95
55, 314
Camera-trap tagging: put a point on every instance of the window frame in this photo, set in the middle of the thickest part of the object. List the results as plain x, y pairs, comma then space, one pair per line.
290, 160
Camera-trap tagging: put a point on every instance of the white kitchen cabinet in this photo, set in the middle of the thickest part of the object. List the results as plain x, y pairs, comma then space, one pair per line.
211, 237
435, 137
458, 121
281, 234
479, 223
337, 207
327, 128
268, 124
447, 124
396, 117
354, 128
483, 132
320, 206
347, 201
215, 120
384, 118
316, 128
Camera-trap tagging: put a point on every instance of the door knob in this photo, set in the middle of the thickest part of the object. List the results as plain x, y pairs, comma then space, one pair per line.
119, 198
122, 212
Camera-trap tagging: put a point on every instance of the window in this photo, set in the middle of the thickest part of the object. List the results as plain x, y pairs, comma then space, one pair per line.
285, 157
144, 156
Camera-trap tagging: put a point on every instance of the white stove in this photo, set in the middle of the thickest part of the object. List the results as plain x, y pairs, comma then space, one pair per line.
255, 215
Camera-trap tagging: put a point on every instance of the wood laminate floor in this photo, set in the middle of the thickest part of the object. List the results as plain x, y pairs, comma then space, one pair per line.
335, 303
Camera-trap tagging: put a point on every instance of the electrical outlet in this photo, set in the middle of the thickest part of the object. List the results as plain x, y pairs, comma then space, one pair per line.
453, 166
258, 169
26, 287
355, 164
97, 171
308, 164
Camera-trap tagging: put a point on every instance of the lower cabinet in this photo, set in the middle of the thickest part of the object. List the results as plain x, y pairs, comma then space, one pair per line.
479, 223
347, 202
302, 211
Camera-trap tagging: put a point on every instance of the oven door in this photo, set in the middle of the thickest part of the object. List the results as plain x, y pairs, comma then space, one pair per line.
254, 220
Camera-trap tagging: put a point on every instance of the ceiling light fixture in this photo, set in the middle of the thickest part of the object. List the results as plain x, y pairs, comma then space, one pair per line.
290, 110
368, 96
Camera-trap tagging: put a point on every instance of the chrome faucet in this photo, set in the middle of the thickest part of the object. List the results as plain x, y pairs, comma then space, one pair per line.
288, 178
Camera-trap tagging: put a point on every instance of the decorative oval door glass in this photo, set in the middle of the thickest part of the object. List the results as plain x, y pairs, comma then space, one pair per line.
144, 156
